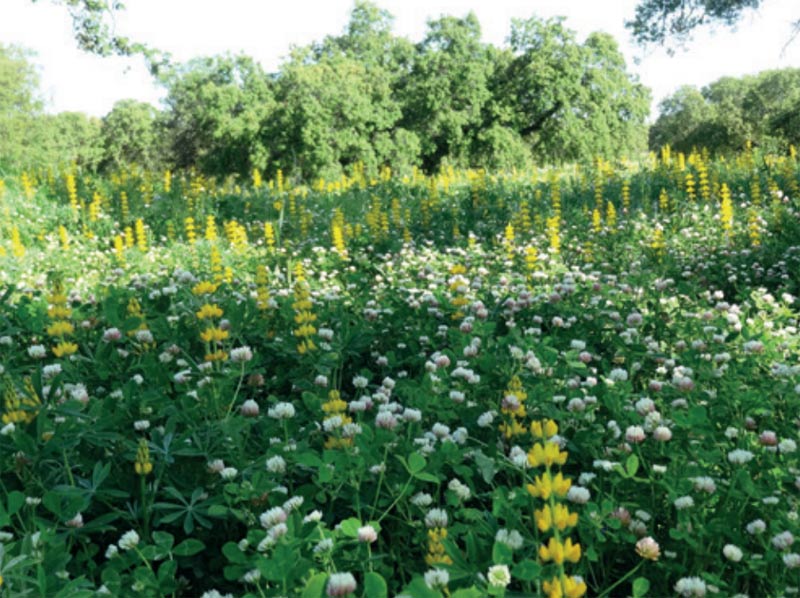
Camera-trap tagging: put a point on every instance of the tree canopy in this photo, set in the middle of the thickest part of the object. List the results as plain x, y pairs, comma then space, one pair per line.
663, 21
728, 113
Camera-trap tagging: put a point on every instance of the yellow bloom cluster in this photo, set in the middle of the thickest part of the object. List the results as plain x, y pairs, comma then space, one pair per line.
335, 407
458, 286
514, 408
436, 551
554, 517
304, 317
143, 465
58, 312
20, 407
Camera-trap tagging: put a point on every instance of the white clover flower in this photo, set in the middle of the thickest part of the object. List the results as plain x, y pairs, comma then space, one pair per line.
229, 473
739, 456
367, 534
37, 351
578, 495
704, 484
272, 517
281, 411
485, 419
323, 546
499, 576
461, 490
276, 464
791, 560
129, 540
691, 587
8, 429
340, 584
360, 382
787, 446
437, 579
421, 499
732, 553
436, 518
757, 526
783, 540
313, 517
252, 576
511, 538
241, 354
112, 551
293, 503
684, 502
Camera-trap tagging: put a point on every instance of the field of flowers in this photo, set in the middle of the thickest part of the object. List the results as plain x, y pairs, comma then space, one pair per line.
567, 382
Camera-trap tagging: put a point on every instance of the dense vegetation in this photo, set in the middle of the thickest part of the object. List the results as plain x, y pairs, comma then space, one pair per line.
762, 109
546, 383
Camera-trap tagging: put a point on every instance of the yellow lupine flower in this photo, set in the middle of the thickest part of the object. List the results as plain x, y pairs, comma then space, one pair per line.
219, 355
64, 348
59, 312
143, 466
204, 288
546, 455
545, 486
214, 334
566, 587
557, 516
558, 553
60, 328
209, 310
544, 429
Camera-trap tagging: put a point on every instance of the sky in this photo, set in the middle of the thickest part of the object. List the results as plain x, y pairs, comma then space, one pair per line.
72, 80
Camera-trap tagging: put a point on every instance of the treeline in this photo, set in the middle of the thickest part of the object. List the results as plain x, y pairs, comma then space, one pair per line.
762, 109
365, 97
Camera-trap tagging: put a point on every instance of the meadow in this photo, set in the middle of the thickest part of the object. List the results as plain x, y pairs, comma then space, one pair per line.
560, 382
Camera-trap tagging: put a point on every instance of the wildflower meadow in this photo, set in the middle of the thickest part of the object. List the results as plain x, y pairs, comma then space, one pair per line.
563, 382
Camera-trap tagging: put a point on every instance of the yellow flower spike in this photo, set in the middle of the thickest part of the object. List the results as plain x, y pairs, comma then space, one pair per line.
542, 486
209, 310
143, 466
60, 328
214, 334
561, 485
562, 518
64, 348
553, 588
553, 551
544, 518
572, 552
204, 288
574, 587
546, 455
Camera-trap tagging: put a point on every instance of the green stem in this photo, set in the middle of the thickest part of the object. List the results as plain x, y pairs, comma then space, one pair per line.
620, 580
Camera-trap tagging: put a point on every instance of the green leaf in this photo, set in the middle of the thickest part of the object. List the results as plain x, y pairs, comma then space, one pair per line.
15, 501
640, 587
350, 527
375, 586
486, 466
416, 463
632, 465
315, 588
526, 570
501, 554
163, 540
467, 593
418, 589
427, 477
189, 547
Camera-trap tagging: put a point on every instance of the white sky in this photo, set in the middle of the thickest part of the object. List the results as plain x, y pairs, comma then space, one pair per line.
266, 29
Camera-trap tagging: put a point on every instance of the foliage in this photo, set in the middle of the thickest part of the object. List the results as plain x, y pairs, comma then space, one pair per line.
579, 380
728, 113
